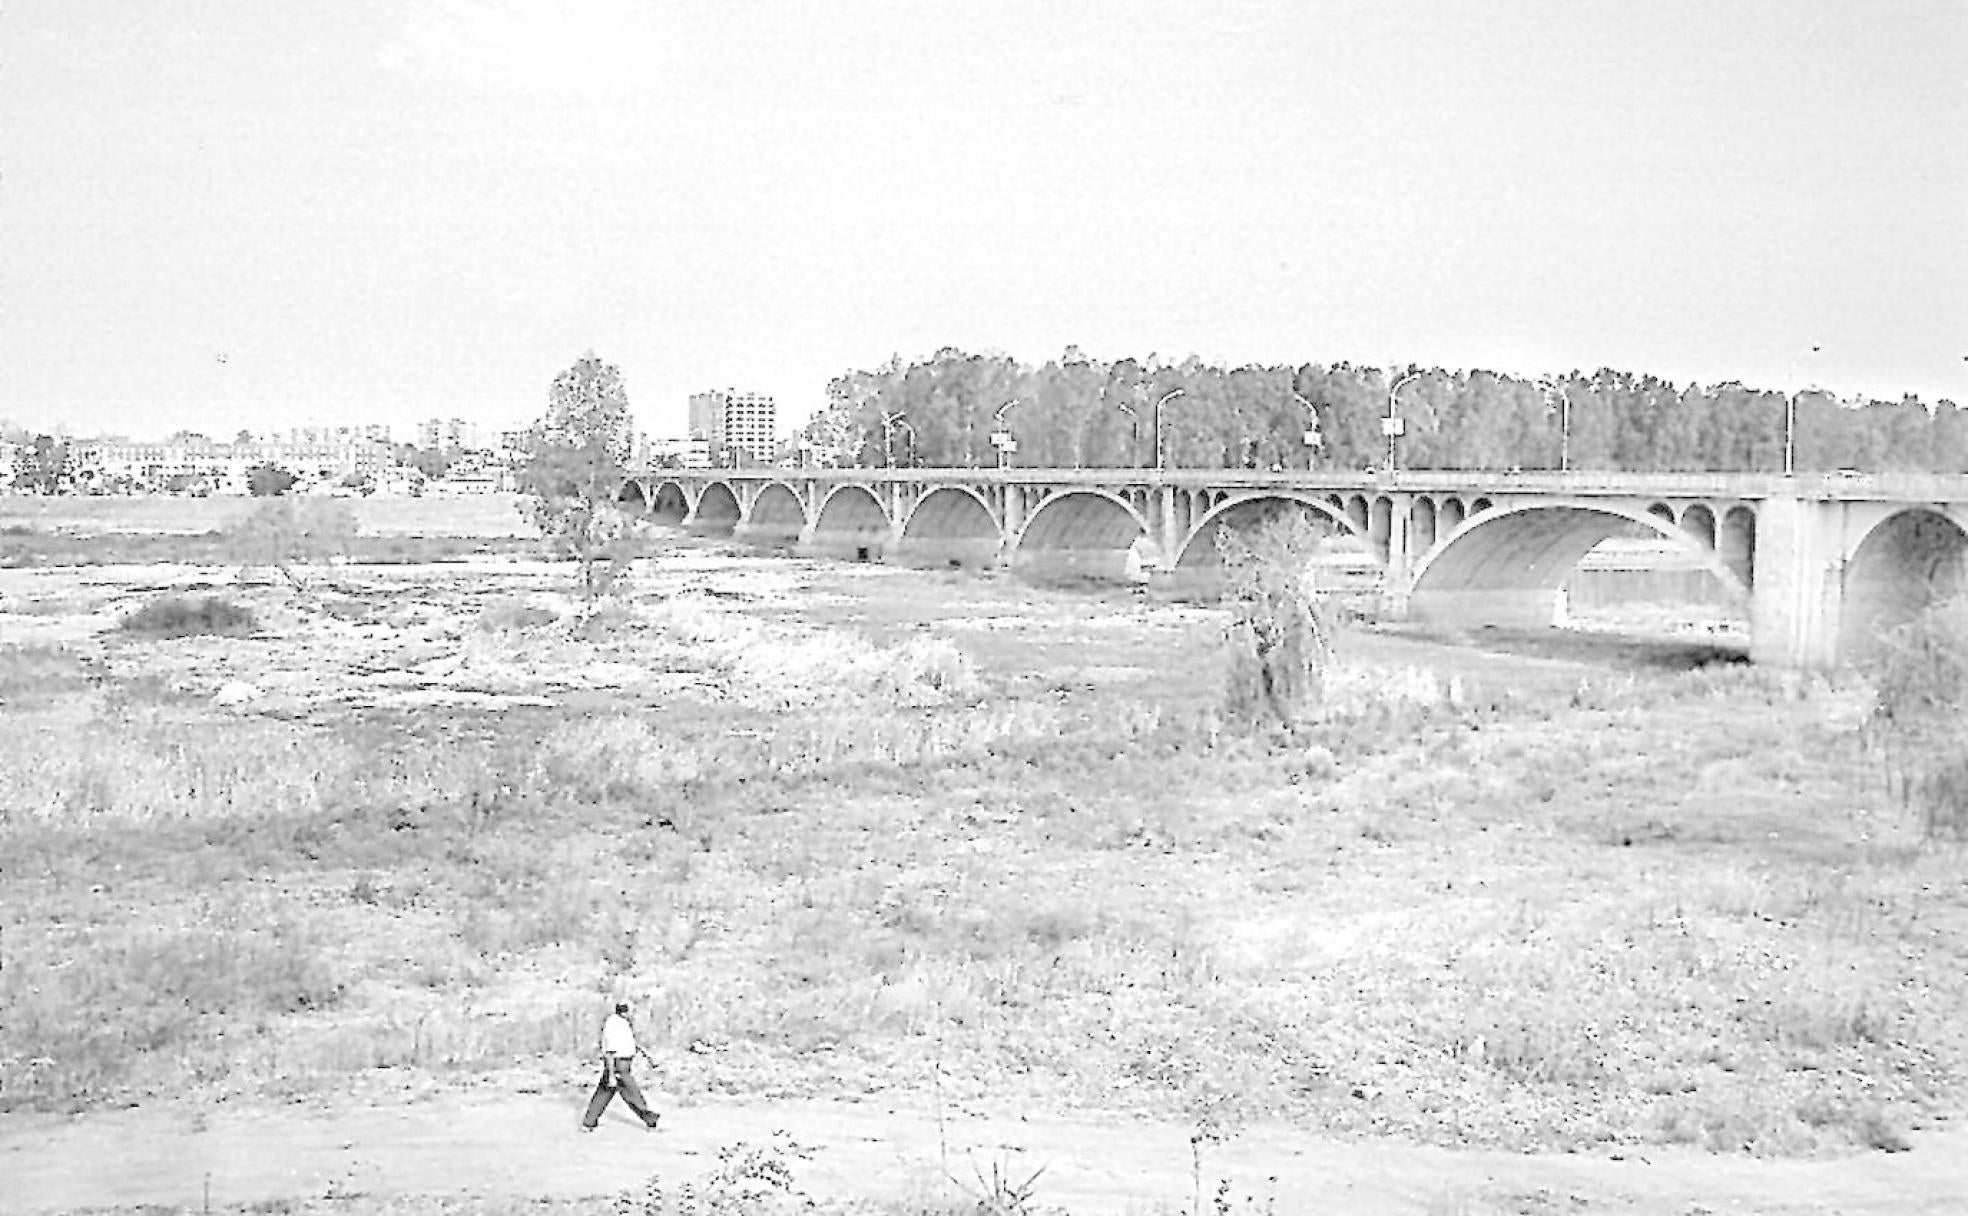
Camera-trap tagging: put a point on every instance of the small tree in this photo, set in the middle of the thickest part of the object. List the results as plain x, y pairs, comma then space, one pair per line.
41, 465
1280, 639
287, 534
1919, 717
575, 468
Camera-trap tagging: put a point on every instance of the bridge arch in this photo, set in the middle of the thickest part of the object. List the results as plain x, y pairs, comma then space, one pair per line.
1507, 566
951, 526
777, 514
1699, 522
1198, 568
852, 523
1907, 562
669, 504
1081, 534
1250, 511
717, 512
1422, 523
633, 497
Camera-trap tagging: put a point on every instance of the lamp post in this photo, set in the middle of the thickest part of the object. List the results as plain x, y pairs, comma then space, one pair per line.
1001, 436
1393, 426
1551, 385
889, 423
1790, 419
1313, 439
1167, 397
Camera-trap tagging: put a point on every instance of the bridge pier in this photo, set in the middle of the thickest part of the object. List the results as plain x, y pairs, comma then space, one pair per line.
1796, 595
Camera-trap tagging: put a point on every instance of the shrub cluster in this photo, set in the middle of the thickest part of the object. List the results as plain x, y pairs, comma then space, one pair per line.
1918, 724
180, 616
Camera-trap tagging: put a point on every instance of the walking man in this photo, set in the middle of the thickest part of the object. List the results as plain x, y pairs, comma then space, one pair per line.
618, 1053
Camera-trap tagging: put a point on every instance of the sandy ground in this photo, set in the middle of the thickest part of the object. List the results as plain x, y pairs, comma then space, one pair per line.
527, 1145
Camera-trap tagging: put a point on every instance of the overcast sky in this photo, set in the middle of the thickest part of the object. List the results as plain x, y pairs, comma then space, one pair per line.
219, 214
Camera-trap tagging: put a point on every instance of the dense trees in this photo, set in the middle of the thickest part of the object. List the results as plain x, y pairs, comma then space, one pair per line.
1075, 411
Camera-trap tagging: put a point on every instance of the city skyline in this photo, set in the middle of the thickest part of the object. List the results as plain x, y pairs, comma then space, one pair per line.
241, 216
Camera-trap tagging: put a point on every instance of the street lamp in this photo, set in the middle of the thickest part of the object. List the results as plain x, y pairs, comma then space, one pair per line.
889, 423
1313, 439
1394, 426
1790, 419
1167, 397
1001, 436
1551, 385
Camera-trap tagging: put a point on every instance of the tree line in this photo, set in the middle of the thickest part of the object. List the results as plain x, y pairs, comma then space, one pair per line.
1078, 412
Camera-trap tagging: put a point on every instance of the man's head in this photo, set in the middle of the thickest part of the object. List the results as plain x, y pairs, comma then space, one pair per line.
622, 1007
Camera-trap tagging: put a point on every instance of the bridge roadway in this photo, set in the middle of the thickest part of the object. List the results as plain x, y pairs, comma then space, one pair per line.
1823, 562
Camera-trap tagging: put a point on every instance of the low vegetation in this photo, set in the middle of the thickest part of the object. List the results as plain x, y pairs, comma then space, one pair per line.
1919, 719
183, 616
1280, 639
942, 836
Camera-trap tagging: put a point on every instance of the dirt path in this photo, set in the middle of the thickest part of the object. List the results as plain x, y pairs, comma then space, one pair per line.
520, 1145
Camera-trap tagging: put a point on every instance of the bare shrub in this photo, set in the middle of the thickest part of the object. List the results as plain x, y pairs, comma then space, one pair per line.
180, 616
1919, 674
1280, 638
290, 535
618, 759
509, 615
787, 671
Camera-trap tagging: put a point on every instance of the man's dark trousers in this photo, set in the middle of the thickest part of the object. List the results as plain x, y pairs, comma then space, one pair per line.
617, 1071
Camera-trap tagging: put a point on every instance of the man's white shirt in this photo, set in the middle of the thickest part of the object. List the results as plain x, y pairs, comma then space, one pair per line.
617, 1037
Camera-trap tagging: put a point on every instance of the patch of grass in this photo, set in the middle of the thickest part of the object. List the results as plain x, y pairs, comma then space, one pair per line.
112, 1005
179, 616
37, 673
1412, 911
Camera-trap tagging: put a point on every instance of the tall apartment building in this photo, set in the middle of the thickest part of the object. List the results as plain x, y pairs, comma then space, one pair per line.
738, 426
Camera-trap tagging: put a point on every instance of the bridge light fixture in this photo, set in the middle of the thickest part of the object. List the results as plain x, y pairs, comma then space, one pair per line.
1313, 439
1001, 436
1564, 393
1790, 416
889, 423
1394, 426
1165, 398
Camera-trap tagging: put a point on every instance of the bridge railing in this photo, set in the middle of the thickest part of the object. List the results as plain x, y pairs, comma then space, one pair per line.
1898, 487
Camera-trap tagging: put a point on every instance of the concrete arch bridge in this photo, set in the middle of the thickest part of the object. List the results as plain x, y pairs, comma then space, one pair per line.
1823, 563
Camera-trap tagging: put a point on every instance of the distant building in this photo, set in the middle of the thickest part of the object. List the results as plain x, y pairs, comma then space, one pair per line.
739, 427
316, 455
450, 435
687, 453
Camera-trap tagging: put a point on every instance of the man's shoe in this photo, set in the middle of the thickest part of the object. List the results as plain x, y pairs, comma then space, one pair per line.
586, 1128
650, 1123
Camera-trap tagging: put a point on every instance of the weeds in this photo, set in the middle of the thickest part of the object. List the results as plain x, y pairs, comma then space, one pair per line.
291, 535
1002, 1193
748, 1178
1920, 705
831, 859
178, 616
1279, 637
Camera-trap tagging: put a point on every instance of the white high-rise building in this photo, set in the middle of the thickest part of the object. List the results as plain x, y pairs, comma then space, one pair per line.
740, 427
